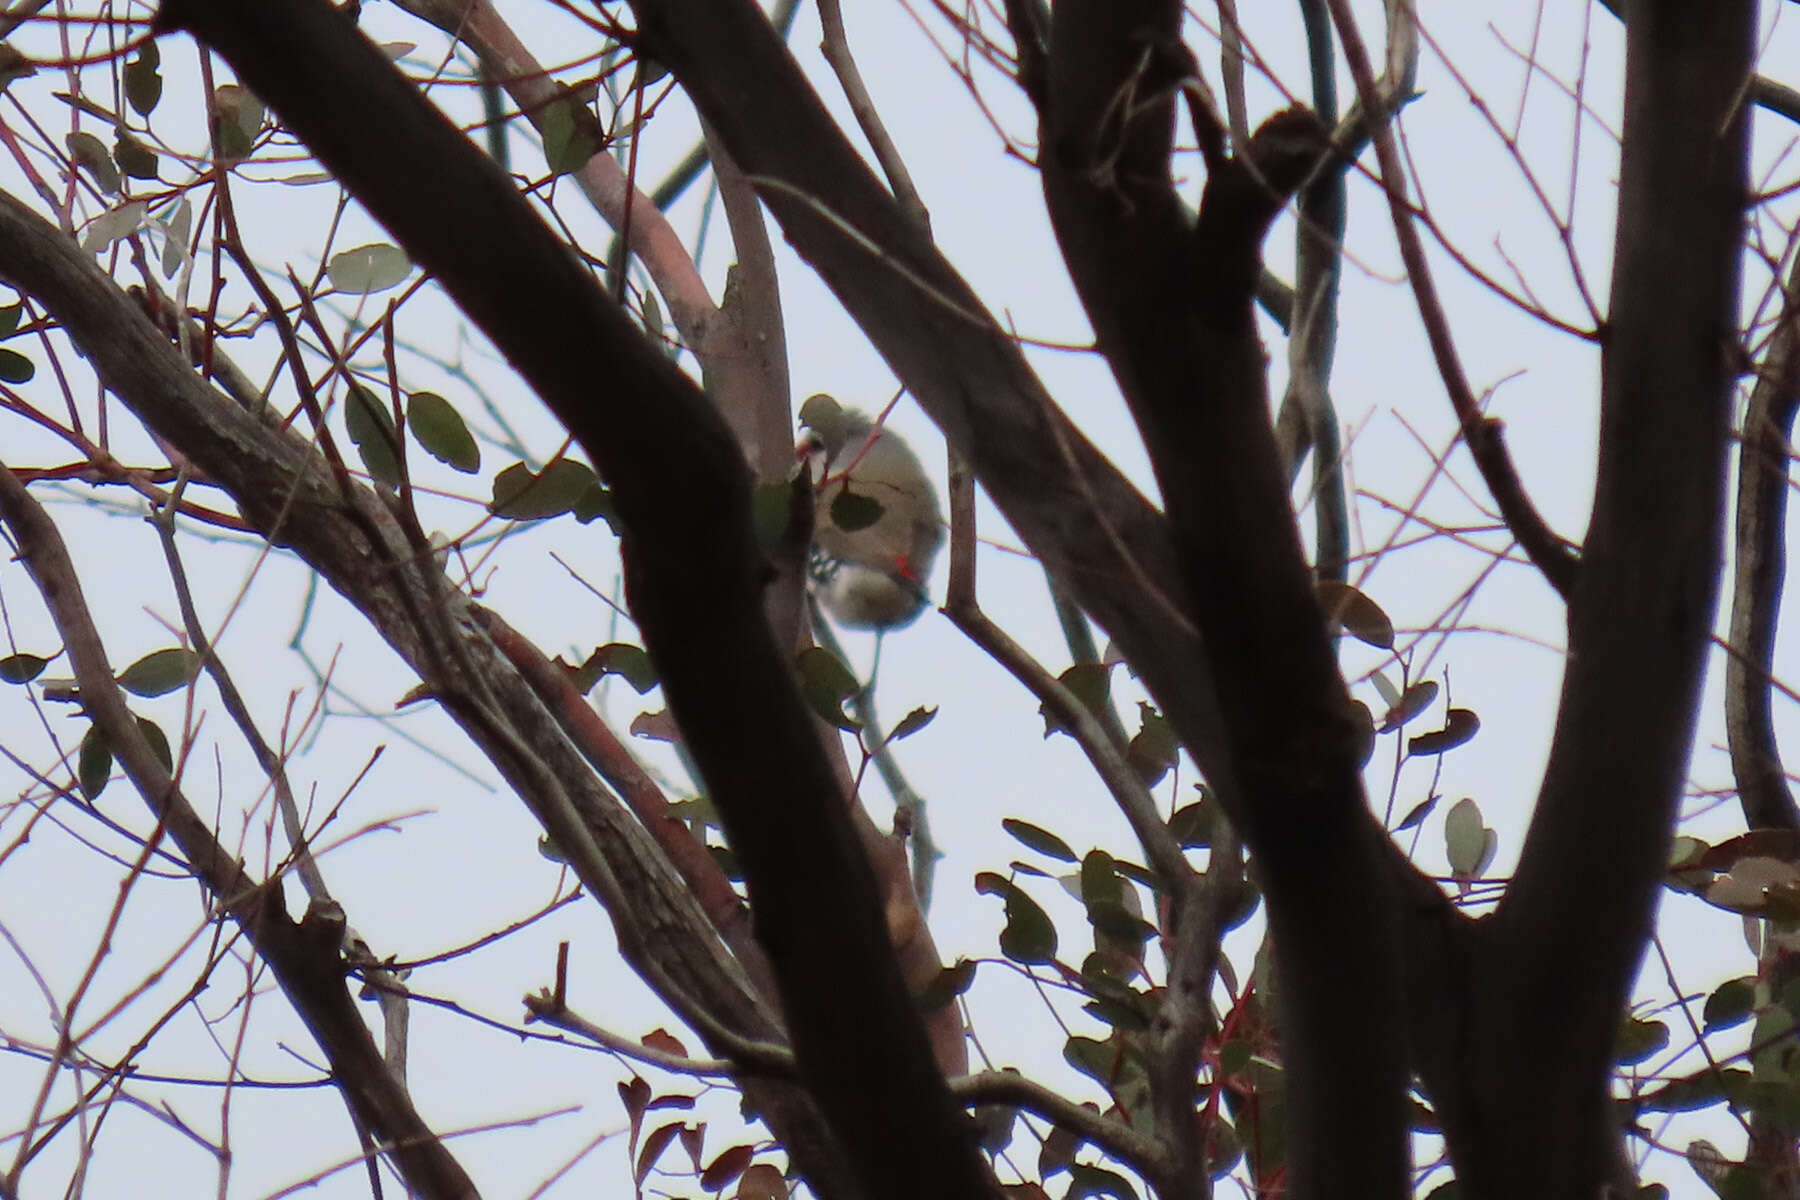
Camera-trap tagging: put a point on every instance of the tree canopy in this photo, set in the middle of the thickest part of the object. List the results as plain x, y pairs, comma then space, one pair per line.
364, 310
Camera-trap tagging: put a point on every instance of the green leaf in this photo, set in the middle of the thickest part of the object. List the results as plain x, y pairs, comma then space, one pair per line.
1041, 840
1192, 825
596, 502
1028, 938
1419, 812
1460, 725
571, 134
440, 430
1771, 1044
851, 511
237, 119
1221, 1149
111, 225
1358, 615
371, 426
15, 367
1696, 1092
1085, 1181
21, 668
628, 662
826, 684
1153, 752
1100, 883
912, 723
1091, 683
950, 983
520, 495
1415, 700
362, 270
10, 316
1234, 1056
134, 158
1638, 1040
772, 513
1465, 838
143, 79
159, 742
1102, 1062
93, 764
160, 672
89, 153
1730, 1003
13, 65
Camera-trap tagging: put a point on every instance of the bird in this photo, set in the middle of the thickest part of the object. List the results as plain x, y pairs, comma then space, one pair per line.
877, 527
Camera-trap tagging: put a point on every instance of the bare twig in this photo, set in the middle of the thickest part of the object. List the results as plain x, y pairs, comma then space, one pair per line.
836, 48
1764, 454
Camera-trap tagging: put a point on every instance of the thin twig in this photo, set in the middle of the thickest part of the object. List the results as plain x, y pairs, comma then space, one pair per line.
835, 45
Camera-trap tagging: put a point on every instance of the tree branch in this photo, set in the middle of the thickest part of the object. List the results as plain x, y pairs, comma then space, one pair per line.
1761, 569
1171, 305
1575, 920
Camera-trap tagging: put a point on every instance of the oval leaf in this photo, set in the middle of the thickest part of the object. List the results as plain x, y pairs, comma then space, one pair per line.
826, 684
371, 426
1638, 1040
762, 1181
654, 1145
1153, 751
726, 1167
1041, 840
571, 134
1192, 825
1460, 725
520, 495
1465, 838
1356, 614
112, 225
1029, 937
15, 367
143, 80
135, 159
1409, 704
160, 672
1731, 1002
93, 765
21, 668
440, 429
159, 742
375, 267
1090, 682
951, 982
911, 723
89, 153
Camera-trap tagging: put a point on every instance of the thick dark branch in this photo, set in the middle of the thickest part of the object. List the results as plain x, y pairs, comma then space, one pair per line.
1761, 567
1171, 307
693, 573
304, 955
1575, 921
